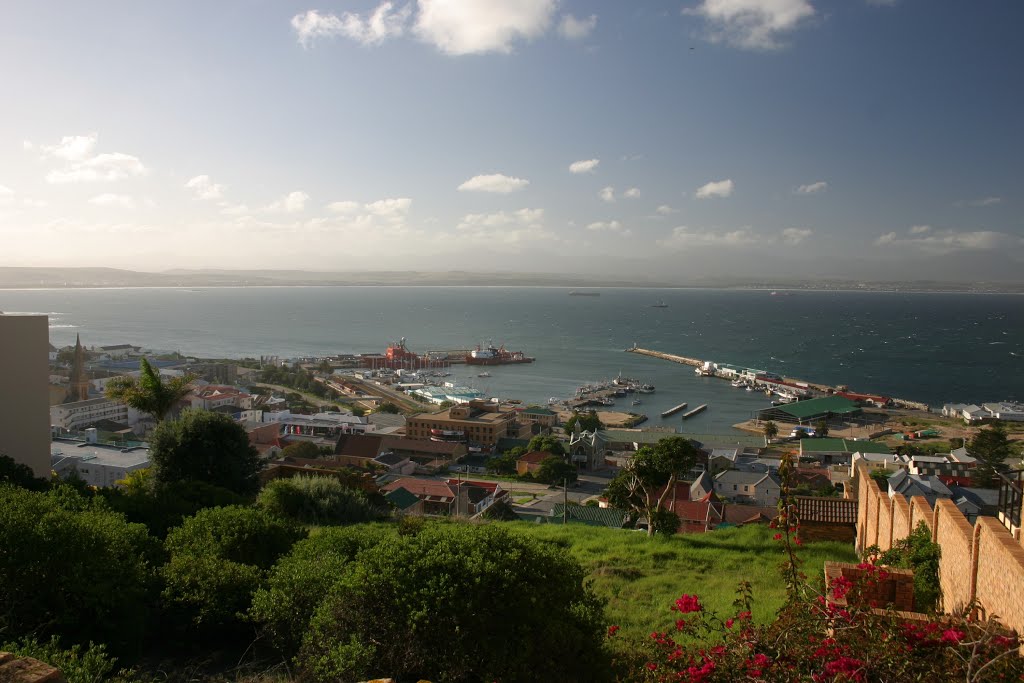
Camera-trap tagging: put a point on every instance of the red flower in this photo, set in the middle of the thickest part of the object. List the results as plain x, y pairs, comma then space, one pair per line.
612, 630
742, 616
952, 636
728, 623
688, 603
652, 666
777, 537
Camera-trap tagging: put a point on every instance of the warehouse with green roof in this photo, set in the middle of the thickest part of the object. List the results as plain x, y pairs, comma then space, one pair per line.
805, 412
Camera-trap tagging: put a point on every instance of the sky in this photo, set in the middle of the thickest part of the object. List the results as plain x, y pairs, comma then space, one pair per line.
865, 139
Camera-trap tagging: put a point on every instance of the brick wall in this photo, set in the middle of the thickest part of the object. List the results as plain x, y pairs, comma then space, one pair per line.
896, 589
956, 568
981, 564
884, 522
1000, 575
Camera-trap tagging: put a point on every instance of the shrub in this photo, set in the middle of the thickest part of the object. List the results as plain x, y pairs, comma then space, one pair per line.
17, 474
316, 500
163, 508
70, 568
298, 583
458, 603
77, 664
917, 552
219, 558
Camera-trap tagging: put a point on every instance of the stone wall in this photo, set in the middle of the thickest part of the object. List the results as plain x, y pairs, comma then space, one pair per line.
896, 589
1000, 574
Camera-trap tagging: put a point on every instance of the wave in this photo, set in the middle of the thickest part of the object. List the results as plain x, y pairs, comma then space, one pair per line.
61, 326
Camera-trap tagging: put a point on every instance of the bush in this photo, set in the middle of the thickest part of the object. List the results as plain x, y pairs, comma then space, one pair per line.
458, 603
70, 568
917, 552
20, 475
316, 500
90, 664
299, 581
161, 509
219, 558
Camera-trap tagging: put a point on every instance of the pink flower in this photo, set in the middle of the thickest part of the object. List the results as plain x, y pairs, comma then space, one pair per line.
952, 636
688, 603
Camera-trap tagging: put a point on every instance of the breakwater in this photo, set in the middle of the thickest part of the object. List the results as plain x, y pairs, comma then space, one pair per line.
792, 382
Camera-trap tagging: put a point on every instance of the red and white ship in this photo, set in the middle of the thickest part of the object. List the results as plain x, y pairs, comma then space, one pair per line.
489, 355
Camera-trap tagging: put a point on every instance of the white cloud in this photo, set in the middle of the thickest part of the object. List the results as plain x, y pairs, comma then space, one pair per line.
344, 207
506, 228
613, 226
632, 193
683, 237
293, 202
205, 188
82, 165
121, 201
495, 182
716, 188
752, 24
984, 201
926, 239
574, 29
666, 210
383, 23
585, 166
462, 27
812, 188
5, 191
795, 235
607, 194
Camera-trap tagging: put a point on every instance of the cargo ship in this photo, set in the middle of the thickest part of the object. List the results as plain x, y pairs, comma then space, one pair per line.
488, 355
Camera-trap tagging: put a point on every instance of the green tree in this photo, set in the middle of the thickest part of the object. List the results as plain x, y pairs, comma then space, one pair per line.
389, 407
770, 431
149, 393
991, 448
20, 475
588, 422
163, 508
316, 500
442, 605
358, 411
77, 664
70, 567
821, 428
555, 470
505, 464
548, 443
645, 483
500, 511
204, 446
918, 552
301, 449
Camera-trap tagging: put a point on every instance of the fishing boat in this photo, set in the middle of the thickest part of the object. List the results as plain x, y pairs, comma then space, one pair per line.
489, 355
637, 401
484, 374
660, 304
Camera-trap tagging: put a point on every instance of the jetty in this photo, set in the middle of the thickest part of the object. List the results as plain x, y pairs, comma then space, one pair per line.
667, 356
673, 411
699, 409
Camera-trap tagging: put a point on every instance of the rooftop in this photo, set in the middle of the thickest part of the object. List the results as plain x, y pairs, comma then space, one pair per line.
744, 478
819, 406
98, 453
537, 410
401, 498
826, 445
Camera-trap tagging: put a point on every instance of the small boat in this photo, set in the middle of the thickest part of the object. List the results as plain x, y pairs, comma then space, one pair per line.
484, 374
637, 401
750, 388
738, 383
660, 304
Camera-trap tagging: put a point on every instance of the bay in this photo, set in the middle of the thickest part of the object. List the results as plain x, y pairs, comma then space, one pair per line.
927, 347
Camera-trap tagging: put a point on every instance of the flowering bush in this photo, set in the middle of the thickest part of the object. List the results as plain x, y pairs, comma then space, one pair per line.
823, 636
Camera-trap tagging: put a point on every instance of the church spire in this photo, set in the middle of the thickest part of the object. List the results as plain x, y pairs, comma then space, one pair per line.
79, 384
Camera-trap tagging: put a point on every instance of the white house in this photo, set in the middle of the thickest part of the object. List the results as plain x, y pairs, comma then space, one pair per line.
760, 488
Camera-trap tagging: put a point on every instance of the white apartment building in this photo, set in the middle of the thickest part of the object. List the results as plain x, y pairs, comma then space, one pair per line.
78, 415
97, 464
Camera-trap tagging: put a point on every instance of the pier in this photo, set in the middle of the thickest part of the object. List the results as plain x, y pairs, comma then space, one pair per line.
667, 356
699, 409
673, 411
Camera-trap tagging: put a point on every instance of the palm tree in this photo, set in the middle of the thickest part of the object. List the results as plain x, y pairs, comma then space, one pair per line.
770, 431
149, 393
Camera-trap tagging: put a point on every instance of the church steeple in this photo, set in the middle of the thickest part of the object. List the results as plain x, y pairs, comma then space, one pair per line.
79, 383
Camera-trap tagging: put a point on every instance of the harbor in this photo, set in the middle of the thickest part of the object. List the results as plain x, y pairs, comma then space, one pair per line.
696, 411
675, 409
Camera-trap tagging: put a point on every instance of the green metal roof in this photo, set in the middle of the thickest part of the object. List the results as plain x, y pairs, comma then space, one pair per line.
819, 406
401, 498
842, 446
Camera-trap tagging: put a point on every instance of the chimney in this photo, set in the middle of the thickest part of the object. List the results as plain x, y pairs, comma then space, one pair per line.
91, 435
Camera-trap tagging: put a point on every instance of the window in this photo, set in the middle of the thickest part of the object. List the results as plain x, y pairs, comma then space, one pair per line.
734, 487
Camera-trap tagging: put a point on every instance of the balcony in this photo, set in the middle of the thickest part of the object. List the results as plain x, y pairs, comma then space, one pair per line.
1011, 499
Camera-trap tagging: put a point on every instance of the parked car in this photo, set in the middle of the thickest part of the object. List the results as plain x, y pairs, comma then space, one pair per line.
802, 433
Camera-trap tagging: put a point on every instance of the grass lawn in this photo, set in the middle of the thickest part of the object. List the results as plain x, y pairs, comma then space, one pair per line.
641, 577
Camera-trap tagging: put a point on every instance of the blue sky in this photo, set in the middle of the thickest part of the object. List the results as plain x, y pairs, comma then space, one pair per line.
866, 139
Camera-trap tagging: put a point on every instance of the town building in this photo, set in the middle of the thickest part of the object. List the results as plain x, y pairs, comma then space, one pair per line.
80, 415
810, 411
748, 487
328, 425
477, 423
839, 451
972, 502
449, 393
95, 463
529, 463
450, 497
24, 391
538, 418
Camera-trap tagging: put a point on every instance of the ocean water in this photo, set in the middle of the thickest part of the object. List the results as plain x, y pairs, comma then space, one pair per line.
928, 347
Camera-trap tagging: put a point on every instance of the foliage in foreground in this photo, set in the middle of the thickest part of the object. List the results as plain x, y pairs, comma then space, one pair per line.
78, 664
917, 552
